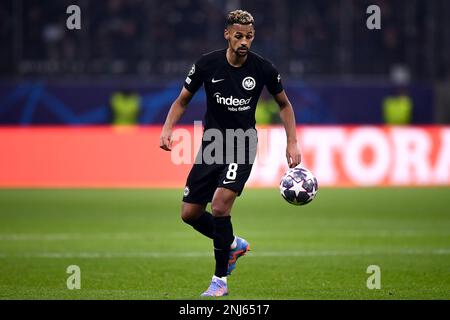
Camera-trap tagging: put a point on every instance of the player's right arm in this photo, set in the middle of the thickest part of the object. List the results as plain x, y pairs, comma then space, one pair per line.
175, 113
192, 83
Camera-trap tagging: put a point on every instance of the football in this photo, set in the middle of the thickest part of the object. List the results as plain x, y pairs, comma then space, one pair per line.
298, 186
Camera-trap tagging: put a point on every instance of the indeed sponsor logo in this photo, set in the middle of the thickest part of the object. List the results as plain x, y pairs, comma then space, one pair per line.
231, 101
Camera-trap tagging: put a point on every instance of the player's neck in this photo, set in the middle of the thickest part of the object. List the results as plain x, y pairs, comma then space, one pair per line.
234, 59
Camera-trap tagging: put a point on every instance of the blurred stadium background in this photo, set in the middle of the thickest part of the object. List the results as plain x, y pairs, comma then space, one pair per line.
83, 109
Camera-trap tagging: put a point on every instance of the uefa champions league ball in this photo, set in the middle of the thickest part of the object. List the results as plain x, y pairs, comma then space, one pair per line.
298, 186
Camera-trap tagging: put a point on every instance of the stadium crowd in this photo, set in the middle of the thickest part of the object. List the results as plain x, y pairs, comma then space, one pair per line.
158, 37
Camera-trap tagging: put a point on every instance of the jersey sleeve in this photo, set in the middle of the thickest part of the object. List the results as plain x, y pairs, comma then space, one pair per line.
273, 80
195, 78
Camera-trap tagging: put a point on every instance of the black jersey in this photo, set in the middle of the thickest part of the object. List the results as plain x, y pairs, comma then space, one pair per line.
232, 92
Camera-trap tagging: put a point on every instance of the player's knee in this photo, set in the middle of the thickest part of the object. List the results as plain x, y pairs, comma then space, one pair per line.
219, 209
187, 216
190, 214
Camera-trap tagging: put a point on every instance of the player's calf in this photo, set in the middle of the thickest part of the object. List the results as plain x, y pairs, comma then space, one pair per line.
196, 216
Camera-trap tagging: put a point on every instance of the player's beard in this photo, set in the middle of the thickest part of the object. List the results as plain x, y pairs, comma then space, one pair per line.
241, 53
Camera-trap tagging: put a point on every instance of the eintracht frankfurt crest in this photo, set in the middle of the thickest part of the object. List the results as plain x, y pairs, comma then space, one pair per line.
248, 83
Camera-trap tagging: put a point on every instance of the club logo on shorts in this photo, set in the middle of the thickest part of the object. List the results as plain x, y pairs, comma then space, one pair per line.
186, 191
192, 71
248, 83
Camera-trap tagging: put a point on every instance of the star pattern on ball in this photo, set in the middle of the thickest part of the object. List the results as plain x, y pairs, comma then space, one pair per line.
312, 194
298, 187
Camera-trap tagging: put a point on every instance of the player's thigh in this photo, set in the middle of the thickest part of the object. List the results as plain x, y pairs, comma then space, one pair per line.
201, 184
234, 176
222, 202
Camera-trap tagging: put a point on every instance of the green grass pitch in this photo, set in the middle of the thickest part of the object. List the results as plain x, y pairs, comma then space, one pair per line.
132, 244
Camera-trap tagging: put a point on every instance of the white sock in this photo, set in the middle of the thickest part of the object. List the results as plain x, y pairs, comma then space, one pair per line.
234, 244
224, 279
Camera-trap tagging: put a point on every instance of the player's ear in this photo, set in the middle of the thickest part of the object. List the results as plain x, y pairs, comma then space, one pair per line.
226, 34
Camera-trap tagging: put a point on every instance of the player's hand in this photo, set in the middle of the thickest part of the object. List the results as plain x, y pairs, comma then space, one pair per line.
293, 155
165, 140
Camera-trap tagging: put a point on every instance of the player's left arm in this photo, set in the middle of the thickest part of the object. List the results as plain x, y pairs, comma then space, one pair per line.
287, 116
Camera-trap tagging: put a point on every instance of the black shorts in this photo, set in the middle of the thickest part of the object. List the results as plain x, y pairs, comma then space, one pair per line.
204, 179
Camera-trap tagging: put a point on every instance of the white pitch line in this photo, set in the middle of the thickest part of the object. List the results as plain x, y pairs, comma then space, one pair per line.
181, 234
156, 255
79, 236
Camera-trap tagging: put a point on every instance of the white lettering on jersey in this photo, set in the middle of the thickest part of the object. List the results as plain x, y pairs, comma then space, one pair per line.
231, 101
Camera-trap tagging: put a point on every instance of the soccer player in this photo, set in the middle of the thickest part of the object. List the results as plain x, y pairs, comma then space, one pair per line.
233, 79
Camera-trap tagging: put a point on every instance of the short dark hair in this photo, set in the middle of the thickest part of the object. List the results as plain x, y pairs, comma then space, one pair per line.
239, 17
